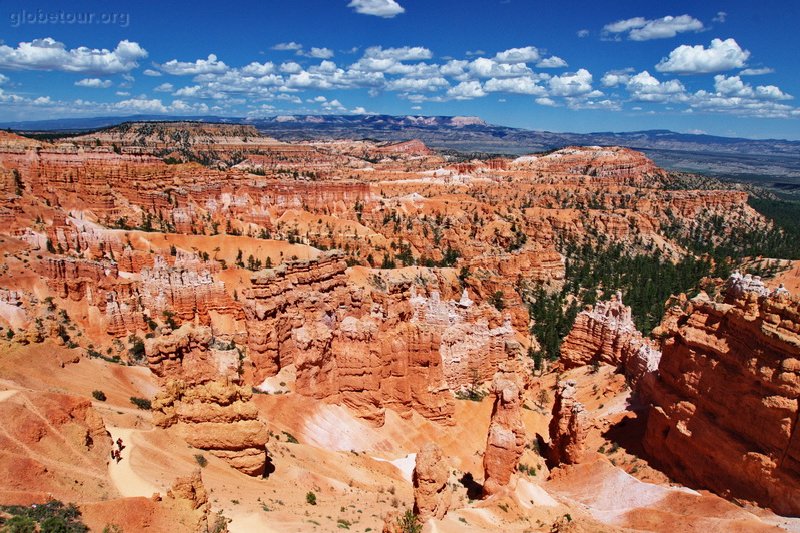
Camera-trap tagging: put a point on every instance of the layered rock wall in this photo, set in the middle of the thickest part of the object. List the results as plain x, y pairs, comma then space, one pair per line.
724, 410
606, 334
200, 396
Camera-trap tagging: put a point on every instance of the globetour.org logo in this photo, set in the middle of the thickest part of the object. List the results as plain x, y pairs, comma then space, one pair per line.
37, 17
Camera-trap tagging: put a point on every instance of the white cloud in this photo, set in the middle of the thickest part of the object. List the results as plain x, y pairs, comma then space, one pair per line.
489, 68
49, 54
571, 84
721, 16
417, 84
359, 110
546, 101
616, 77
770, 92
319, 53
643, 87
378, 8
522, 85
527, 54
756, 71
720, 55
3, 79
151, 72
191, 91
164, 88
622, 26
290, 46
581, 34
290, 67
258, 69
552, 62
141, 105
733, 96
466, 90
665, 28
642, 29
94, 83
200, 66
405, 53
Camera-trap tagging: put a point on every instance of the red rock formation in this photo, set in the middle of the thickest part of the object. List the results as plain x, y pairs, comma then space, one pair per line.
200, 395
568, 427
608, 164
606, 334
191, 489
431, 493
53, 444
506, 440
724, 410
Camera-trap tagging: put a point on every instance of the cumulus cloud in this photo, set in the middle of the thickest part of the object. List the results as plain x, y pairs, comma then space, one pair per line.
164, 88
552, 62
319, 53
466, 90
582, 33
642, 29
378, 8
522, 85
290, 46
417, 84
151, 72
489, 68
405, 53
546, 101
644, 87
200, 66
721, 17
720, 55
527, 54
94, 83
622, 26
571, 84
49, 54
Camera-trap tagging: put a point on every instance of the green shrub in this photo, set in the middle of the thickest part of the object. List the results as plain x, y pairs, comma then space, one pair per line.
409, 522
20, 524
201, 460
142, 403
311, 498
99, 395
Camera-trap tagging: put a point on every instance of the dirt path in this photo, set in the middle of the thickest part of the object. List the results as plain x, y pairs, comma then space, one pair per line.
6, 394
122, 474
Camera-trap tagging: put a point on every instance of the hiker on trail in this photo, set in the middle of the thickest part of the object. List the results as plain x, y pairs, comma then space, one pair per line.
119, 444
118, 456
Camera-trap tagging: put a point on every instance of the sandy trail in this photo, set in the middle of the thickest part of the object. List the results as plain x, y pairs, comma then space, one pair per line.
6, 394
122, 474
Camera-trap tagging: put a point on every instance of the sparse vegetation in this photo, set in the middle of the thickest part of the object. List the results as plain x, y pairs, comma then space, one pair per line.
99, 395
142, 403
311, 498
51, 517
409, 522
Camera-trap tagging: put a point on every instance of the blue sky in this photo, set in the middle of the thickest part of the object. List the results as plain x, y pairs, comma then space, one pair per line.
725, 68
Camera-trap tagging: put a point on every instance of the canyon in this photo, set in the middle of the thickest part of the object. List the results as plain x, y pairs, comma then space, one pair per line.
350, 322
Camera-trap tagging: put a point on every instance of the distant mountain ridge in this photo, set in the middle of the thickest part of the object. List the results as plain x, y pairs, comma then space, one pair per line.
771, 162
